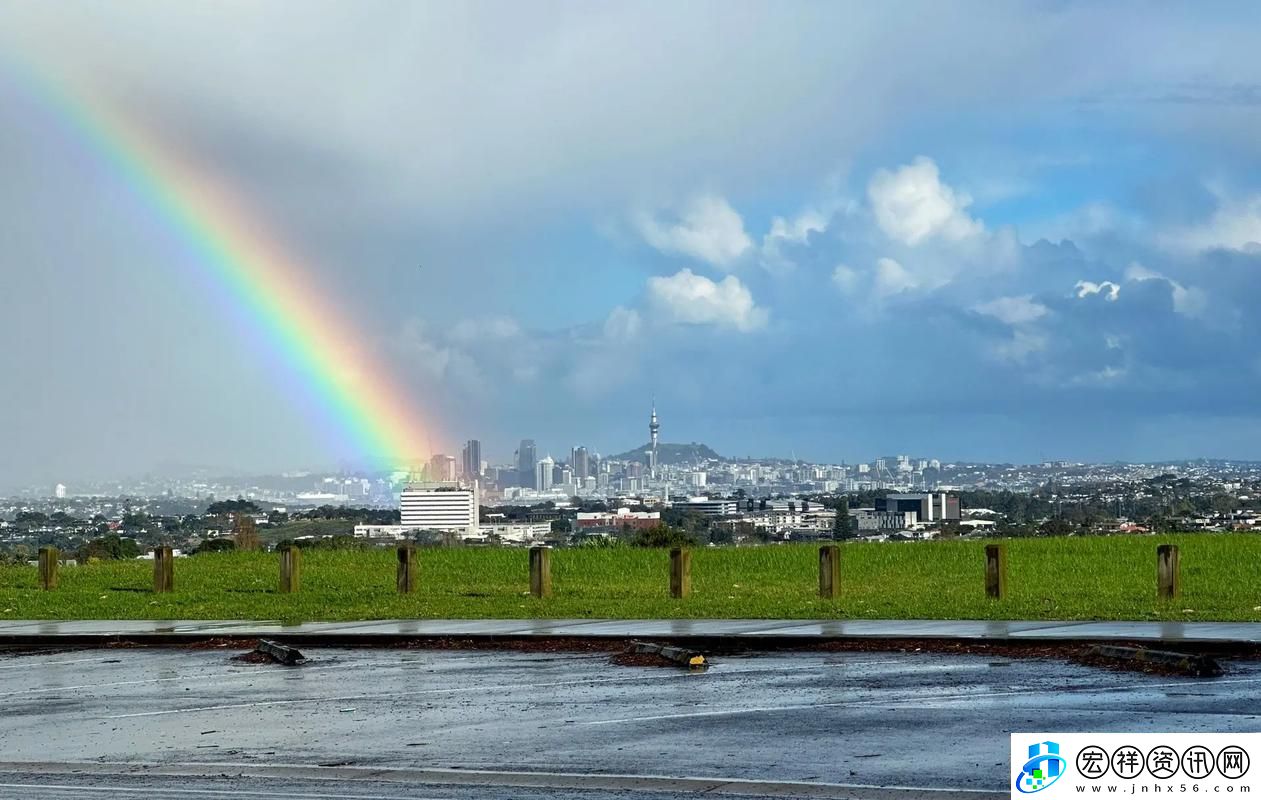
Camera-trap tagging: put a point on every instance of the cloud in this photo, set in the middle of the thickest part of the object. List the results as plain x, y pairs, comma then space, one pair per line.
1019, 310
845, 278
707, 228
892, 278
622, 324
694, 299
473, 330
786, 233
1185, 300
884, 279
1235, 224
1022, 345
912, 205
1108, 289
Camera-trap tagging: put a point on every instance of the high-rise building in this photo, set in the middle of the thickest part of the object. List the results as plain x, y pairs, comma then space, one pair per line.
527, 459
654, 428
441, 506
543, 474
59, 491
473, 459
580, 461
442, 468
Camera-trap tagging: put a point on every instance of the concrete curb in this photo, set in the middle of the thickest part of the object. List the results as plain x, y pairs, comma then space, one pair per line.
695, 634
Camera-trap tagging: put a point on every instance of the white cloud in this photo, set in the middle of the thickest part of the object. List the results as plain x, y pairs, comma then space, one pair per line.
472, 330
707, 229
622, 324
1186, 300
1022, 344
911, 205
845, 278
789, 232
1235, 225
1108, 288
439, 361
892, 278
1020, 310
694, 299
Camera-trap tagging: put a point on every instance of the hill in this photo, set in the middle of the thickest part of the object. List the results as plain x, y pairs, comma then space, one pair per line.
670, 453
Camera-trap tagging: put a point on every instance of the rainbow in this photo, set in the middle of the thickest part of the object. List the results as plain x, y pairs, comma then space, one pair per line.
373, 415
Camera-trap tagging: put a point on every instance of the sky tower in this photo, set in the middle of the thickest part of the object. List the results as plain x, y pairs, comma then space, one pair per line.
654, 428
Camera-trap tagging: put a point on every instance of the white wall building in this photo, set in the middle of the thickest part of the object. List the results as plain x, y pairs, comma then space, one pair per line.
543, 474
447, 506
710, 507
518, 532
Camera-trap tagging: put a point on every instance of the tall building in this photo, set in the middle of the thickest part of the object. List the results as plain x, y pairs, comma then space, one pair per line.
580, 461
442, 468
654, 428
527, 459
59, 491
473, 459
543, 474
441, 506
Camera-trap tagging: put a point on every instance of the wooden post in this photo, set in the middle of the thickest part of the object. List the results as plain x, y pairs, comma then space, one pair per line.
680, 573
829, 572
48, 567
407, 569
290, 569
163, 570
1168, 579
541, 571
996, 571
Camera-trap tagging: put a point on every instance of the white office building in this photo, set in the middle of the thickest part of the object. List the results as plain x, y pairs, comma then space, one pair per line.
543, 474
446, 506
711, 507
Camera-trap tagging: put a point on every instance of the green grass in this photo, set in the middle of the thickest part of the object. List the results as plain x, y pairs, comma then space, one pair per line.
1077, 578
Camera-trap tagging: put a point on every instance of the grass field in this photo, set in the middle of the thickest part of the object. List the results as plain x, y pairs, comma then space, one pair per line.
1076, 578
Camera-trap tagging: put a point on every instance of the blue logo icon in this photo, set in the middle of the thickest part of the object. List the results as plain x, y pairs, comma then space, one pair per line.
1044, 767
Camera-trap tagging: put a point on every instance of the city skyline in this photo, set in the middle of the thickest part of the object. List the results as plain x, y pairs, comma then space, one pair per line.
794, 241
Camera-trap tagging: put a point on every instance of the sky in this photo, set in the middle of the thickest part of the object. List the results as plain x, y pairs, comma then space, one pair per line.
966, 231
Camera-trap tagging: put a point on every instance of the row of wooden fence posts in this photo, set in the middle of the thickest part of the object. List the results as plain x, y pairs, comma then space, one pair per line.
1168, 572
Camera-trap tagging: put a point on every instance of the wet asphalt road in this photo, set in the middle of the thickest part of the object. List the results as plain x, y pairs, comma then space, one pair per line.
393, 724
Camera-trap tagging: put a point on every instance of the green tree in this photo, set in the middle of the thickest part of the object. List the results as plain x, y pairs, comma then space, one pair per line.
663, 536
108, 548
216, 545
1055, 527
841, 525
237, 506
